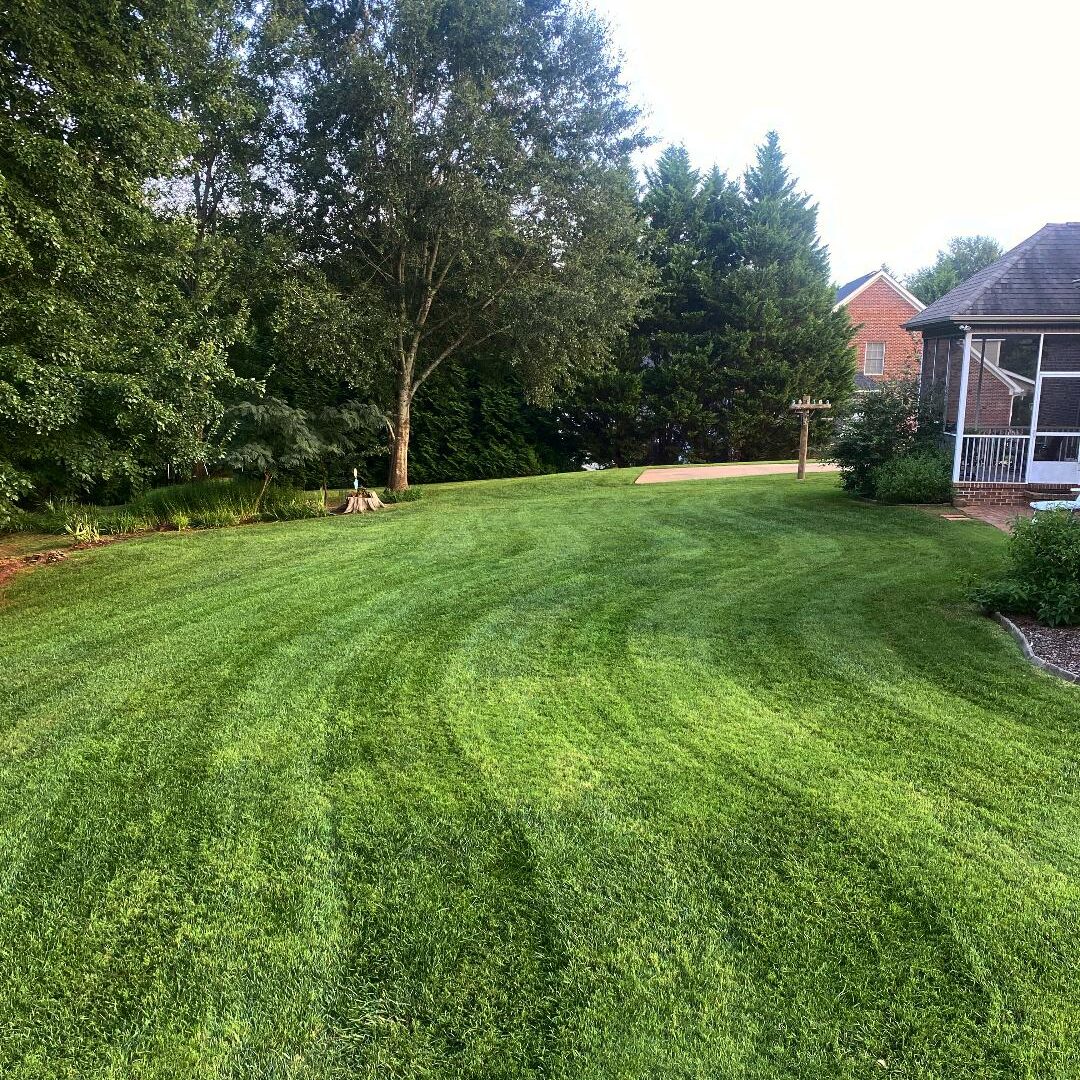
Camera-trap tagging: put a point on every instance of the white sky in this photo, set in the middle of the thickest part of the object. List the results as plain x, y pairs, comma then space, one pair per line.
908, 123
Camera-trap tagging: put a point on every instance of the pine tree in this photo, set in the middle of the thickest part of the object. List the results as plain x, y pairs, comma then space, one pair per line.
779, 337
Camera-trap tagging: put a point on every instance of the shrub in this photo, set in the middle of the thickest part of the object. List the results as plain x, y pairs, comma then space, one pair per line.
410, 494
198, 497
1043, 578
202, 503
921, 477
292, 505
886, 424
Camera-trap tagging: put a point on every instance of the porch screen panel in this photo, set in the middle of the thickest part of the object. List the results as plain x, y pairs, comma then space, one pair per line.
1061, 352
935, 367
926, 372
954, 364
1019, 355
1059, 404
991, 390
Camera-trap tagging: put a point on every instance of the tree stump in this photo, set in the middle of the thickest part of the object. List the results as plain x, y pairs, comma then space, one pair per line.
361, 502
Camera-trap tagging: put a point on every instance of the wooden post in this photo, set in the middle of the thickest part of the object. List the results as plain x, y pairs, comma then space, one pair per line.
806, 408
804, 442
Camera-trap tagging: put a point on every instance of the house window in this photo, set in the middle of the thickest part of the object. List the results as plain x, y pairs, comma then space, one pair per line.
874, 359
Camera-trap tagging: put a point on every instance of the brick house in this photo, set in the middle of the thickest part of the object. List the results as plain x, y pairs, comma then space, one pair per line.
1001, 360
878, 306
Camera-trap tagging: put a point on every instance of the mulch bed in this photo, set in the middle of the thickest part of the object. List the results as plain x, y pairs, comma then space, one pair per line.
1058, 645
11, 566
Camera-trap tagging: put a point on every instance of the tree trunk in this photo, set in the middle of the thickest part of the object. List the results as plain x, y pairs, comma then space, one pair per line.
399, 452
267, 477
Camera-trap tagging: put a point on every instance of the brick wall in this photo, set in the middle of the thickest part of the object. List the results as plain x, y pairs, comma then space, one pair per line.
1007, 494
882, 311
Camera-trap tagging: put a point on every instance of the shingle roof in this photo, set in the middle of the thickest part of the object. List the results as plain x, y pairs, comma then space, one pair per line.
1040, 276
846, 290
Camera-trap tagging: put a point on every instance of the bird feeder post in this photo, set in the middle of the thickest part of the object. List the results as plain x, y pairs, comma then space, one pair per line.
806, 408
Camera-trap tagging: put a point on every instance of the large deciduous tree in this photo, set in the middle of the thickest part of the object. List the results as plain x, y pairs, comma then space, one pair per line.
463, 174
961, 258
104, 369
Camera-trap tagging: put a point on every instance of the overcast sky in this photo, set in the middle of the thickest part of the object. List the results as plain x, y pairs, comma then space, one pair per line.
909, 122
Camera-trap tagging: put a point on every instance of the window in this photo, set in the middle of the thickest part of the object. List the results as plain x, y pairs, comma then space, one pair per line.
874, 360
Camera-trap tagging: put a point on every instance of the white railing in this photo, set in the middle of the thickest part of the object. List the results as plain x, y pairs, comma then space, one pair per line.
994, 459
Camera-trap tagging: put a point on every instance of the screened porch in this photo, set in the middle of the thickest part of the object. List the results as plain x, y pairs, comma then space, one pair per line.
1010, 403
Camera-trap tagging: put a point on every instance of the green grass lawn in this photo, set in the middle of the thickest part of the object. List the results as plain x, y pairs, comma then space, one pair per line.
558, 778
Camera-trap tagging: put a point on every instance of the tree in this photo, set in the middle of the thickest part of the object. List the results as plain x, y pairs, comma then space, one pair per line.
106, 371
778, 335
269, 438
464, 175
963, 257
741, 323
890, 423
473, 423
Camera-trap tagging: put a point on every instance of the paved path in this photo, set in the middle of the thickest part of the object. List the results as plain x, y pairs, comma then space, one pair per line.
1001, 517
726, 472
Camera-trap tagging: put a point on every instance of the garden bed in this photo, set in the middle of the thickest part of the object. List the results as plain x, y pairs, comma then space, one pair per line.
1054, 648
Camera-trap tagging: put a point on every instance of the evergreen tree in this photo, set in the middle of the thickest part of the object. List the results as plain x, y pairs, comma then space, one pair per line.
741, 322
778, 335
473, 422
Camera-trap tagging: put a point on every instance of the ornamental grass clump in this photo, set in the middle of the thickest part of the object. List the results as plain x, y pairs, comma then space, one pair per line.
1043, 577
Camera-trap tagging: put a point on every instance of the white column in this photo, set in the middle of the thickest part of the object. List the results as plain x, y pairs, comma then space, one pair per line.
961, 408
1034, 410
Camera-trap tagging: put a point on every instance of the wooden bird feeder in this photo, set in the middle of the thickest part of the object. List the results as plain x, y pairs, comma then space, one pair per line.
806, 408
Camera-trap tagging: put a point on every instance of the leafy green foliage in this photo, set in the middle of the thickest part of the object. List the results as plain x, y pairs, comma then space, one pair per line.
271, 438
962, 258
83, 526
742, 323
922, 476
475, 423
208, 504
217, 502
464, 173
108, 367
1043, 575
889, 423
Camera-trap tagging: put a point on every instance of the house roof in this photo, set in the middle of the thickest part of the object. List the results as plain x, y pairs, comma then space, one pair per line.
846, 293
1039, 278
846, 290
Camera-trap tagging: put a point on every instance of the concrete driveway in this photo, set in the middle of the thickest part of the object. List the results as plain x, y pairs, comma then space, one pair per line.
728, 472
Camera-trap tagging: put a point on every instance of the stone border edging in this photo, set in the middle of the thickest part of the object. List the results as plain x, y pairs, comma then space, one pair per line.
1029, 653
